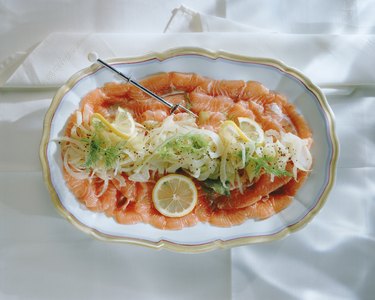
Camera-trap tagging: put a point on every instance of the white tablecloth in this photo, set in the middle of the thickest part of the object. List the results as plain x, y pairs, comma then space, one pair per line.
43, 257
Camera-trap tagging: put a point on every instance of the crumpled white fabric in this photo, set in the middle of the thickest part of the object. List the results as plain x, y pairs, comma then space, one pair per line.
62, 54
58, 56
333, 257
306, 17
184, 19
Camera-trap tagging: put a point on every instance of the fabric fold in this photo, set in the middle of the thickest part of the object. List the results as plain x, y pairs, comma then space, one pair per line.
185, 19
328, 60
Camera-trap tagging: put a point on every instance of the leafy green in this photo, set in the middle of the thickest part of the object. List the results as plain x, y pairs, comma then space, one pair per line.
217, 186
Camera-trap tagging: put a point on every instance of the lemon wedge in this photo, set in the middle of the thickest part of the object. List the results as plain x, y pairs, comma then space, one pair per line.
123, 125
251, 129
174, 195
229, 131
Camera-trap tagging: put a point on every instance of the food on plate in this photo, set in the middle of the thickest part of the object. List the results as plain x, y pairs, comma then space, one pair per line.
244, 157
174, 195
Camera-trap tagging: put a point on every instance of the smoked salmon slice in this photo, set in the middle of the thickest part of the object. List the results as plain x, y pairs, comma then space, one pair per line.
202, 102
211, 120
187, 82
238, 110
253, 90
84, 190
263, 187
229, 88
264, 209
159, 83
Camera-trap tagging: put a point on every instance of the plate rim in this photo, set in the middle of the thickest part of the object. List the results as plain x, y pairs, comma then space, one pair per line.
164, 244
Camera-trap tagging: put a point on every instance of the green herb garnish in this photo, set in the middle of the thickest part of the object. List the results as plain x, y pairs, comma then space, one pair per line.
111, 154
267, 164
100, 152
195, 144
95, 145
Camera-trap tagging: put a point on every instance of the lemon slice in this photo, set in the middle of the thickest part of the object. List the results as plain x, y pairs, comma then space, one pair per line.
229, 131
175, 195
252, 129
123, 125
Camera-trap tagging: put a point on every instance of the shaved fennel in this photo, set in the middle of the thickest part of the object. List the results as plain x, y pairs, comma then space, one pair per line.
178, 144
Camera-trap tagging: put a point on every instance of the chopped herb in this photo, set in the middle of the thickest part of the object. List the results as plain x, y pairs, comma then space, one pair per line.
95, 148
111, 154
98, 151
267, 165
195, 144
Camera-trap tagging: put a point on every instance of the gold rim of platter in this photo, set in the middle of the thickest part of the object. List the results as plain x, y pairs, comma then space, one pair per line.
164, 244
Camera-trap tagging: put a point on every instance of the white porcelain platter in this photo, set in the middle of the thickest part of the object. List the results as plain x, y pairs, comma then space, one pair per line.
275, 75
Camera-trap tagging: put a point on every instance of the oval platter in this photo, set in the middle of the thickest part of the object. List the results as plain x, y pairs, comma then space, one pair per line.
275, 75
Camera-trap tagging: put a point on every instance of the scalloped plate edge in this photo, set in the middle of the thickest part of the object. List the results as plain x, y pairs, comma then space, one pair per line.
164, 244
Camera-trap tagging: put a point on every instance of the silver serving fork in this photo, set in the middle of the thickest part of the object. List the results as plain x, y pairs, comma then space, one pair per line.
172, 107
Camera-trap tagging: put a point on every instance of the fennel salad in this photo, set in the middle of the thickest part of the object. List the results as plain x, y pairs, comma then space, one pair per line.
231, 158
